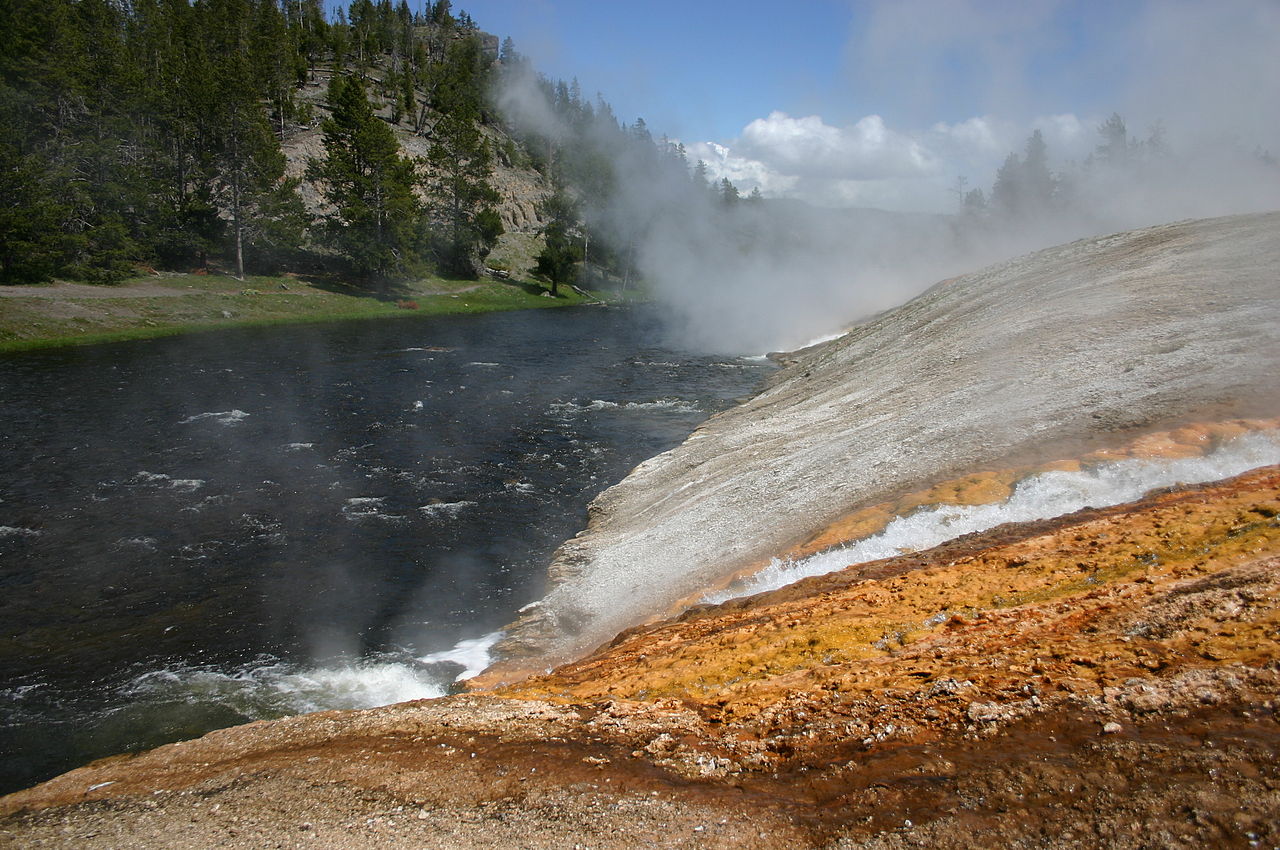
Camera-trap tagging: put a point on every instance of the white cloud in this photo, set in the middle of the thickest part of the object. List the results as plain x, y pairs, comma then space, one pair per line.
976, 134
869, 163
809, 146
742, 171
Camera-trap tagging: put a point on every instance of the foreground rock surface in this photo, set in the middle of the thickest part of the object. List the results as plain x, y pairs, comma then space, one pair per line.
1110, 678
1035, 358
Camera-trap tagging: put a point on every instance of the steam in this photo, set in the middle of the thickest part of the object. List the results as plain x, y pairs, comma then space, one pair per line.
862, 214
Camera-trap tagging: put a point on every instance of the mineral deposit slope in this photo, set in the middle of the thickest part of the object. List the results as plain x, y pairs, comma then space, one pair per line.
1076, 346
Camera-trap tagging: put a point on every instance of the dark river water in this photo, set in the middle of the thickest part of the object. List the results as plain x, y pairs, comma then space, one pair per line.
199, 531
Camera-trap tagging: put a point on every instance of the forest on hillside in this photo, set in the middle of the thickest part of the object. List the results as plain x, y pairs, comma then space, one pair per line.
149, 135
152, 134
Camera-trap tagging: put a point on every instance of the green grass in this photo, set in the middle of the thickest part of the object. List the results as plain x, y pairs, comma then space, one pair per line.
211, 302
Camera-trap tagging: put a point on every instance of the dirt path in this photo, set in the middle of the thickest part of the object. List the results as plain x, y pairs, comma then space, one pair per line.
84, 290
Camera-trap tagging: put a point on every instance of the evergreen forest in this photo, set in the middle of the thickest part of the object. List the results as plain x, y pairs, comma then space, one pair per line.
152, 134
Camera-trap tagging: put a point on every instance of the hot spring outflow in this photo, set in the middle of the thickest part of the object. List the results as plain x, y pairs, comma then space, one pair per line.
1043, 495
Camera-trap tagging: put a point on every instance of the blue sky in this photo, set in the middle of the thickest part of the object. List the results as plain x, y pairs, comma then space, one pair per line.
706, 69
697, 70
885, 102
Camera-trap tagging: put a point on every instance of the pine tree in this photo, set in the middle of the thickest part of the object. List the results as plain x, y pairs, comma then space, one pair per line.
272, 56
34, 244
267, 216
182, 224
974, 204
558, 261
1006, 192
36, 240
729, 195
377, 219
1025, 189
458, 187
1037, 180
701, 180
462, 199
1114, 149
308, 29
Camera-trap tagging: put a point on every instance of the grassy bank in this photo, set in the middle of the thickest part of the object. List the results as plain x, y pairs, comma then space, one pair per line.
161, 305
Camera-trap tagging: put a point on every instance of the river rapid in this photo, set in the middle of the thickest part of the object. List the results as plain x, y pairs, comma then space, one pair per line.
200, 531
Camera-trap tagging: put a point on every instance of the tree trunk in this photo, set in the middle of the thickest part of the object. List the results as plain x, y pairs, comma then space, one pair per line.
238, 214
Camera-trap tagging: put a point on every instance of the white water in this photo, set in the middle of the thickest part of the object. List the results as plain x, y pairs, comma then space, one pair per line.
445, 510
187, 484
368, 507
474, 655
672, 404
279, 689
222, 417
276, 689
1042, 496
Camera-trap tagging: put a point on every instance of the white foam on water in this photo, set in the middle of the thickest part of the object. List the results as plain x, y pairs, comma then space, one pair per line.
270, 688
449, 510
21, 691
664, 404
187, 485
474, 654
222, 417
297, 447
278, 689
18, 709
483, 365
220, 499
367, 507
418, 405
17, 531
147, 543
1041, 496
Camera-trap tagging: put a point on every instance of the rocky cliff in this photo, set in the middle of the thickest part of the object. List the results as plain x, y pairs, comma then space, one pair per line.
1039, 357
522, 190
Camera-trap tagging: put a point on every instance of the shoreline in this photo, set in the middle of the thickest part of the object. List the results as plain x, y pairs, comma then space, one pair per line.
64, 314
1066, 683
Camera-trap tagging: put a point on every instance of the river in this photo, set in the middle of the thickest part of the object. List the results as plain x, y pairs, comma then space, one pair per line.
204, 530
